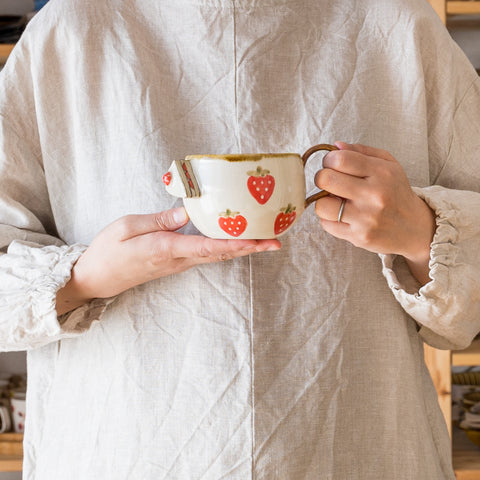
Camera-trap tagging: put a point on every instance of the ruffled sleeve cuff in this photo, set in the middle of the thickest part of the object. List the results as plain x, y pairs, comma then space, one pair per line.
447, 309
30, 276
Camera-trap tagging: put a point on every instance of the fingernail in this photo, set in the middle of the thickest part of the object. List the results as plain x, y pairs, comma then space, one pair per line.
271, 248
180, 216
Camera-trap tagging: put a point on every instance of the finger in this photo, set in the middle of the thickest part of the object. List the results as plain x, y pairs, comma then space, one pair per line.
203, 249
171, 220
351, 162
133, 225
365, 150
337, 229
207, 249
328, 208
339, 184
220, 256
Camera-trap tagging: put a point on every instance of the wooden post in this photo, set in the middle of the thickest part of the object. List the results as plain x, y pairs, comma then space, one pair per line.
440, 6
5, 50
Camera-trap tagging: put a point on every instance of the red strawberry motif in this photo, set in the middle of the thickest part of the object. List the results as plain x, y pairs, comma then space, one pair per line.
285, 219
261, 184
232, 223
167, 178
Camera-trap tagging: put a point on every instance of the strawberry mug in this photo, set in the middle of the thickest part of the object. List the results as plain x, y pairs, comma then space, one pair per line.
255, 196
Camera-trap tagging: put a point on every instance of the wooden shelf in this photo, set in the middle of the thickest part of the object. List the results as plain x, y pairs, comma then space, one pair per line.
445, 8
468, 357
466, 456
5, 50
11, 452
463, 7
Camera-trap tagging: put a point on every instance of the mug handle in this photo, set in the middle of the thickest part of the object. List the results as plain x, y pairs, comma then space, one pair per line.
305, 157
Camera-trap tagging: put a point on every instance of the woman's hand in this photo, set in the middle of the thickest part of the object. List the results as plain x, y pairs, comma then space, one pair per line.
138, 248
382, 214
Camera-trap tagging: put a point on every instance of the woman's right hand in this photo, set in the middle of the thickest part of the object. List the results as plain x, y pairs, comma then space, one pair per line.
138, 248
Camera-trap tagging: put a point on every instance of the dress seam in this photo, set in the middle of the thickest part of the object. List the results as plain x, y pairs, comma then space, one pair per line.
252, 360
235, 79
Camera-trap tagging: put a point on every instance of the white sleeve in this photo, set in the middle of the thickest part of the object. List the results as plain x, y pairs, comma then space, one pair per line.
30, 276
447, 308
34, 262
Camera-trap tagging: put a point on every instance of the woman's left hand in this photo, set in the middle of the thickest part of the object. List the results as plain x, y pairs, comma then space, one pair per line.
382, 213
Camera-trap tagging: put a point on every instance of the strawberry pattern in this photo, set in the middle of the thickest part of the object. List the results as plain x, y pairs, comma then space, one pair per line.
285, 219
232, 223
260, 184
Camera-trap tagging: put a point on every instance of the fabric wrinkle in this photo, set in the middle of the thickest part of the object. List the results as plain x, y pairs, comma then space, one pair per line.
288, 410
279, 365
202, 419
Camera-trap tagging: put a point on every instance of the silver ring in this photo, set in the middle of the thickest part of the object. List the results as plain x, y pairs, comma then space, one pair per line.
340, 212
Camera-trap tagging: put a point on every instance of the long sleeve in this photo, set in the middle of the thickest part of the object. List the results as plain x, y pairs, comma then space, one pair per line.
448, 307
34, 262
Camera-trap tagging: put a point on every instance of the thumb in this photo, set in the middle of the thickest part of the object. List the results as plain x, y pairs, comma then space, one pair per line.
171, 220
131, 226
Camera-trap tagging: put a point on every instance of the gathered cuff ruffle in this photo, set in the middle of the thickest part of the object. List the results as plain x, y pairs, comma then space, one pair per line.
447, 308
30, 276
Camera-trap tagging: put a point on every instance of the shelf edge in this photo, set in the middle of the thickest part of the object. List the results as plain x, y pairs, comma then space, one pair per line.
5, 50
463, 8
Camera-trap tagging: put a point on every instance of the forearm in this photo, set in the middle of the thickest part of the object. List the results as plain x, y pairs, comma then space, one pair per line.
139, 248
70, 296
417, 255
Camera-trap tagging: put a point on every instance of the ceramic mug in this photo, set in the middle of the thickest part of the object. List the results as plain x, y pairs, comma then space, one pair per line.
251, 196
18, 412
5, 419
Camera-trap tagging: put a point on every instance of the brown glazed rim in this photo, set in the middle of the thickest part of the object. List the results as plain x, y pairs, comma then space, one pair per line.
242, 157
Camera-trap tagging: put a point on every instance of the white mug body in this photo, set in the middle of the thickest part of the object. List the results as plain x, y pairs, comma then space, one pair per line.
247, 196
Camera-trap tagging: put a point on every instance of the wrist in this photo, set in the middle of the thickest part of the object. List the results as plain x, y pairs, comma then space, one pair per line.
417, 253
72, 295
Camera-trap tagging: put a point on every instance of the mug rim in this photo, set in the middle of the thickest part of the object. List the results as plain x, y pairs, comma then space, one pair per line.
240, 157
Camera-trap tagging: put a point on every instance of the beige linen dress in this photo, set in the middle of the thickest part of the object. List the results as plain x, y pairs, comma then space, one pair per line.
301, 364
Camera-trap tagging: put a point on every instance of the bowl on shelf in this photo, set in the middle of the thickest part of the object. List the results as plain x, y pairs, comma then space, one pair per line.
470, 423
471, 378
472, 420
472, 434
470, 399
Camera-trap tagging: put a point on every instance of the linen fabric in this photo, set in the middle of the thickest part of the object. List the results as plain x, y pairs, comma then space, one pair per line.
301, 364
